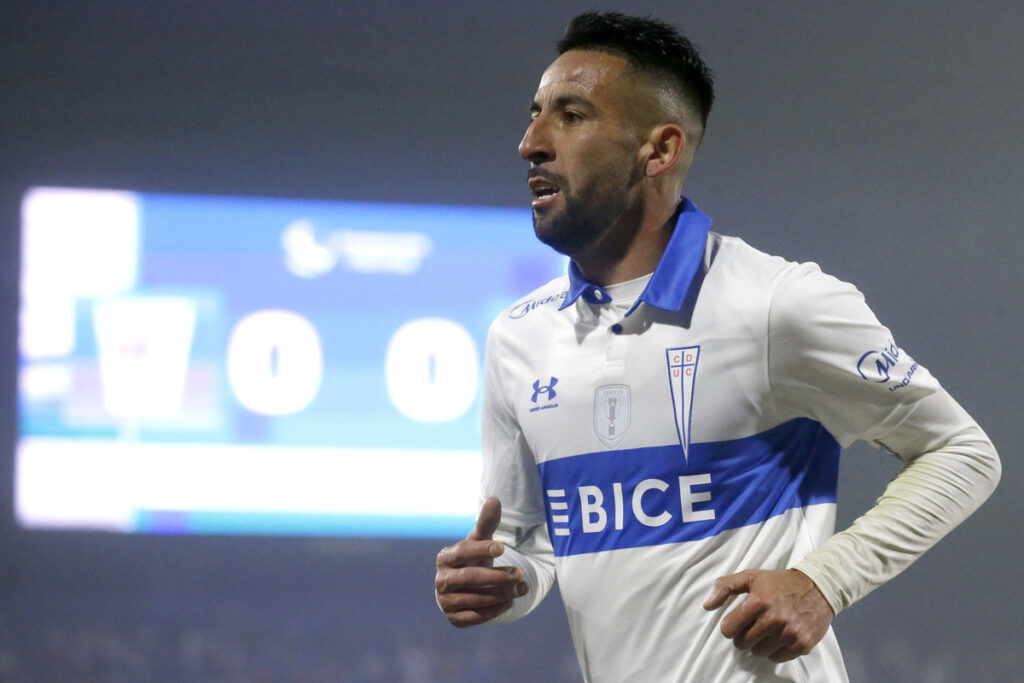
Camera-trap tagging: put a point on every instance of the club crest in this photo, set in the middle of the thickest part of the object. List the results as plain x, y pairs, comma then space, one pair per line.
611, 413
682, 373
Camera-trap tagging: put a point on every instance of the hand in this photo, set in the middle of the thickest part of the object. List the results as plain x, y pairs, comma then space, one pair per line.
470, 589
783, 616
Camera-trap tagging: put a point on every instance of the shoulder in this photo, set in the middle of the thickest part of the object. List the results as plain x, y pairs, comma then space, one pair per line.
732, 257
770, 274
805, 295
745, 280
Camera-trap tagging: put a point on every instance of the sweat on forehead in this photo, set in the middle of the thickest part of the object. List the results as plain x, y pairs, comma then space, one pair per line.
584, 68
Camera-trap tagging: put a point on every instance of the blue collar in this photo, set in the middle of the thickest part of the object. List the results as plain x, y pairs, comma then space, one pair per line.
674, 275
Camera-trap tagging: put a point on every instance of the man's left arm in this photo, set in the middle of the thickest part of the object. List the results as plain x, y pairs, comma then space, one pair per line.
934, 492
787, 612
950, 468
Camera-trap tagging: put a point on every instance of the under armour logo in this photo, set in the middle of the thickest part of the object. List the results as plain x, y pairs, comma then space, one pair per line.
549, 390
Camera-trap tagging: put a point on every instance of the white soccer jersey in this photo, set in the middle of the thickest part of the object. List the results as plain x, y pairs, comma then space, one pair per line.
645, 446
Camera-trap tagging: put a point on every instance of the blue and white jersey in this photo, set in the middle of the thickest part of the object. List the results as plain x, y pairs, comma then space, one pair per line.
655, 435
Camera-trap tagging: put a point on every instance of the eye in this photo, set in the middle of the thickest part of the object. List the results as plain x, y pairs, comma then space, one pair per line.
569, 116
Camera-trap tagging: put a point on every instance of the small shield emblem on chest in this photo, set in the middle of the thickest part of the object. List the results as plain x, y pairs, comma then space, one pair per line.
611, 413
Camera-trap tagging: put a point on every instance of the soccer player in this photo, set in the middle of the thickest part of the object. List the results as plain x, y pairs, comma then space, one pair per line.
662, 425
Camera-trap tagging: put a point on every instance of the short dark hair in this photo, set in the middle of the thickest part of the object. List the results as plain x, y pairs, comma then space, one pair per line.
651, 46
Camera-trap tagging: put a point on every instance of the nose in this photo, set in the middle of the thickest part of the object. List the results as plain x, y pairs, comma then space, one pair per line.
535, 146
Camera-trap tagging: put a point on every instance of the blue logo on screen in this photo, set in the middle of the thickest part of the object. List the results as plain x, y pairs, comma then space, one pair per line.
549, 390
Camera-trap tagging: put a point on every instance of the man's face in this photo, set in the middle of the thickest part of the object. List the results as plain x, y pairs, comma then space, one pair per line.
582, 149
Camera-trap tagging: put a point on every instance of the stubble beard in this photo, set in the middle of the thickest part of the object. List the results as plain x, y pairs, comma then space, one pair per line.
580, 225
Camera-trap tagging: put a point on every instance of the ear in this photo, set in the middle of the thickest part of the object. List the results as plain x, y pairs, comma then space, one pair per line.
664, 147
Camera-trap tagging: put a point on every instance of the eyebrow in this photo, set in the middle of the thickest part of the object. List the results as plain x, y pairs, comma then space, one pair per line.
562, 102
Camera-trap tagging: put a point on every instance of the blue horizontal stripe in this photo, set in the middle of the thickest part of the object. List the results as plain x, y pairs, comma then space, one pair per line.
723, 485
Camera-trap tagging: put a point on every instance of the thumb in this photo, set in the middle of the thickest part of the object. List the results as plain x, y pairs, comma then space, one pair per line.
486, 521
726, 586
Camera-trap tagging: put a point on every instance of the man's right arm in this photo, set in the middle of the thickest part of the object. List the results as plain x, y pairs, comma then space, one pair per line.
515, 525
528, 549
484, 578
469, 588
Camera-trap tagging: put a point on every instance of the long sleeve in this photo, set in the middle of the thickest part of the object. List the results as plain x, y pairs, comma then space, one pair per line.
830, 359
530, 550
510, 473
934, 492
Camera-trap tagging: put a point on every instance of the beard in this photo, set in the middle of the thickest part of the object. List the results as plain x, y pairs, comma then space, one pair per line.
582, 223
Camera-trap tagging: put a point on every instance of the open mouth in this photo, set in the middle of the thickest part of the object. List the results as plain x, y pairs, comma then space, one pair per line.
542, 190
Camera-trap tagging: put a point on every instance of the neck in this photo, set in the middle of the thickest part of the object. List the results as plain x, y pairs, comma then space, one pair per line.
633, 247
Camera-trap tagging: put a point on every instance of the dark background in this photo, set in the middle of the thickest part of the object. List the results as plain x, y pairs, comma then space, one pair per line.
881, 140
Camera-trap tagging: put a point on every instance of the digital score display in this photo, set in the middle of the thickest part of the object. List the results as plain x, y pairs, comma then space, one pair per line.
198, 364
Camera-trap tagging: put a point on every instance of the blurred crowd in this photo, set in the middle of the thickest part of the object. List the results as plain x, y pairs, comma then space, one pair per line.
333, 612
208, 647
100, 639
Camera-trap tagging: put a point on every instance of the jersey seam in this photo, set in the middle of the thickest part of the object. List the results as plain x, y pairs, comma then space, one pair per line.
499, 374
768, 339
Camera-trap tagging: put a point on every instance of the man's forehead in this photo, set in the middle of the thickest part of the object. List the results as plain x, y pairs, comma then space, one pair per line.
587, 70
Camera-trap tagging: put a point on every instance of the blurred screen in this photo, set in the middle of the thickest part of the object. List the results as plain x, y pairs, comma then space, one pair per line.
198, 364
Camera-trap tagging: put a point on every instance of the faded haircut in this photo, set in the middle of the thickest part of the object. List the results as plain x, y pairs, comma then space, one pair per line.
652, 48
